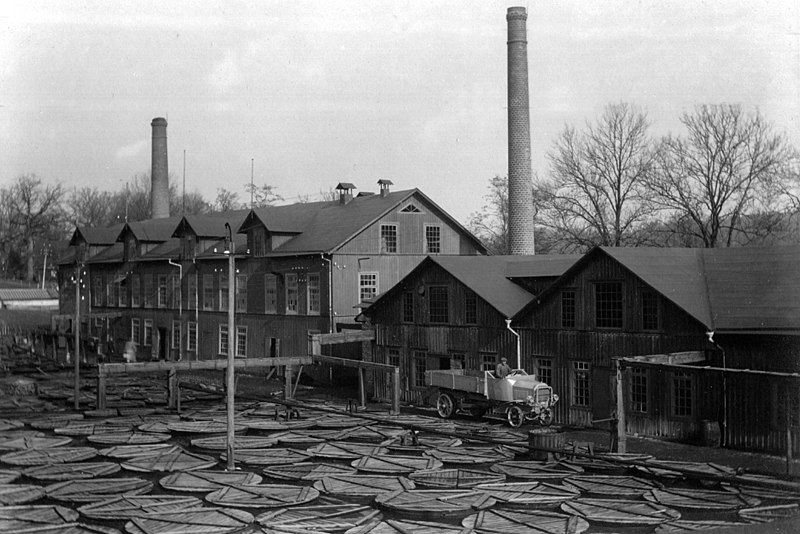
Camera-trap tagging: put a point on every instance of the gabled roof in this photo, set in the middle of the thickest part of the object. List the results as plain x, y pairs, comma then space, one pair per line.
151, 230
96, 236
726, 290
31, 293
327, 226
540, 266
112, 254
485, 275
211, 224
216, 251
168, 250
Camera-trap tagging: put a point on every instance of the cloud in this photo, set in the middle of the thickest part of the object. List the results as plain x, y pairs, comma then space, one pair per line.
132, 150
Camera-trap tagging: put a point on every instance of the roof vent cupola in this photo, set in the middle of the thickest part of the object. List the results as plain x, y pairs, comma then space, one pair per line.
345, 192
384, 187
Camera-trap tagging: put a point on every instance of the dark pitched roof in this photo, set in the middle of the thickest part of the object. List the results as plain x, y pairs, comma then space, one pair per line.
96, 236
540, 266
112, 254
326, 226
726, 290
216, 251
152, 230
30, 293
168, 250
211, 224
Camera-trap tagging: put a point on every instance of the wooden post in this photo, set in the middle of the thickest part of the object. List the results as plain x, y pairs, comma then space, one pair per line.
172, 389
231, 382
396, 391
362, 388
101, 388
622, 444
77, 331
788, 436
287, 381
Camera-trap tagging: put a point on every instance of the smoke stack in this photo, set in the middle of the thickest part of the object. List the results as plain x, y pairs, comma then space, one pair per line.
159, 172
520, 186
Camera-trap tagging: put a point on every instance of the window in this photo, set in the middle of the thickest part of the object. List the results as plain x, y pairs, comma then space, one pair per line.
393, 356
176, 334
580, 384
191, 290
433, 239
458, 360
568, 308
148, 333
313, 294
98, 323
437, 302
544, 370
111, 297
608, 304
408, 307
97, 290
270, 293
682, 394
122, 293
639, 389
419, 369
191, 336
208, 291
488, 361
389, 238
136, 326
411, 208
241, 341
136, 291
162, 291
223, 291
470, 307
148, 291
649, 310
241, 293
175, 291
291, 293
222, 345
367, 286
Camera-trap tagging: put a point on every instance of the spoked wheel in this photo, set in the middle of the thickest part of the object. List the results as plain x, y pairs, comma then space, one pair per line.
515, 416
546, 417
446, 406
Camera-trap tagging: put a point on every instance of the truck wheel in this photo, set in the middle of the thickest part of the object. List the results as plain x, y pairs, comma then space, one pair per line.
515, 416
546, 417
446, 406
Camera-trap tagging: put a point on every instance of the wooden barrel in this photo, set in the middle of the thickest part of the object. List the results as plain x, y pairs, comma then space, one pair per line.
545, 438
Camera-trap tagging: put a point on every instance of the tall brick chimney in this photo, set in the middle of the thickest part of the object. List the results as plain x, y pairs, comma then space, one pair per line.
520, 186
159, 172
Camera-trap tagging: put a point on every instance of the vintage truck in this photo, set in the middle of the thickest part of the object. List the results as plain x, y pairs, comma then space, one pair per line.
517, 398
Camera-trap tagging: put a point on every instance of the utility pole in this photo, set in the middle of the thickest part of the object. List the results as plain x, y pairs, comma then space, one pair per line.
76, 327
252, 186
230, 249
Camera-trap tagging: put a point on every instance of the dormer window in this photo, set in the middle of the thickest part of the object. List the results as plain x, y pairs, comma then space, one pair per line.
131, 248
258, 241
188, 246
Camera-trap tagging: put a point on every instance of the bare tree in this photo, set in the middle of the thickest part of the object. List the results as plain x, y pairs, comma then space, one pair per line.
490, 224
35, 214
594, 196
227, 200
262, 195
88, 206
729, 167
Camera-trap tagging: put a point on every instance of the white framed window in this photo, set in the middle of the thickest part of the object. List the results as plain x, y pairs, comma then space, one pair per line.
241, 341
420, 366
270, 293
162, 291
241, 293
191, 290
191, 336
581, 384
98, 322
367, 286
208, 291
148, 333
176, 334
149, 295
175, 291
388, 238
122, 293
222, 345
136, 291
291, 294
313, 304
223, 291
97, 290
136, 329
433, 239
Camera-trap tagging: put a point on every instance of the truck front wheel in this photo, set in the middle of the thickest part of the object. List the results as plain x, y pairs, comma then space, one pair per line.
446, 406
516, 416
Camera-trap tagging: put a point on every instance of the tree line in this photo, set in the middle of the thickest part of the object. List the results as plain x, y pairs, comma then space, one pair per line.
37, 217
728, 179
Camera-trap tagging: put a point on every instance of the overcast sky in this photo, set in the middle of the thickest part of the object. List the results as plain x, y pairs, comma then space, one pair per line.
321, 92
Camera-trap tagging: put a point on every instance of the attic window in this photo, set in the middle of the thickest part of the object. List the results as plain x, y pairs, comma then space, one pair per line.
411, 208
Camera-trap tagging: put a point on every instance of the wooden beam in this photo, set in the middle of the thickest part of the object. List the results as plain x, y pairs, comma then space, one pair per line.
694, 356
633, 362
347, 336
154, 367
345, 362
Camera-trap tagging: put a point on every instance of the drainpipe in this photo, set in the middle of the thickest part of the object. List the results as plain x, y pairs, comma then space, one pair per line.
723, 430
508, 325
180, 306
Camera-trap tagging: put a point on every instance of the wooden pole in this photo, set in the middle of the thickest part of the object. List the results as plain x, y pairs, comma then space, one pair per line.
101, 388
622, 444
396, 391
362, 388
77, 332
231, 384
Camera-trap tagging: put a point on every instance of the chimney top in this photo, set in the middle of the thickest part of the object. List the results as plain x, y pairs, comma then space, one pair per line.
159, 121
384, 186
345, 192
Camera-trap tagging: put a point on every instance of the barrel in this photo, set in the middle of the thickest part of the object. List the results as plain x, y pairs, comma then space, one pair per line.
545, 438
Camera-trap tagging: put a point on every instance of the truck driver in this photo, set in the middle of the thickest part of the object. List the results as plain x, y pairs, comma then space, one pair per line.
503, 369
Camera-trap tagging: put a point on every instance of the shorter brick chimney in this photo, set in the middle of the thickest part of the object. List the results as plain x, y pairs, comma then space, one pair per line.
384, 187
345, 192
